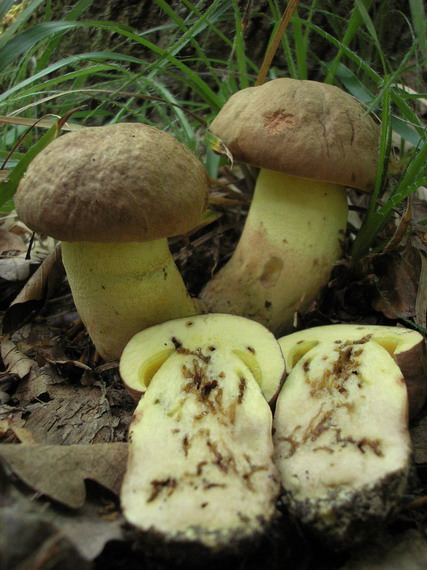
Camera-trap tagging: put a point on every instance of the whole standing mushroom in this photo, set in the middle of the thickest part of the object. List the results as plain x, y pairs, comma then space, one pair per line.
200, 466
310, 140
113, 195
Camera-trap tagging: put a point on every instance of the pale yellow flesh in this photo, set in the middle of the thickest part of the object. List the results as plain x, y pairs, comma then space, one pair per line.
291, 240
122, 288
405, 346
200, 454
395, 340
252, 343
341, 428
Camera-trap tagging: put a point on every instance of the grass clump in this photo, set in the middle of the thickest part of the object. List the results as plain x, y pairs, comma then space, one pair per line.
205, 55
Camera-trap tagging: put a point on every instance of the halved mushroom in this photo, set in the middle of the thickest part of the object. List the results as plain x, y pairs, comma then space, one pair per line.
250, 342
200, 468
407, 348
341, 437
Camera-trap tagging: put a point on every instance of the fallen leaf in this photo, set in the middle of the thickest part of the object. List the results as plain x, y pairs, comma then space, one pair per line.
421, 299
398, 282
11, 242
74, 369
15, 361
36, 292
419, 440
59, 412
15, 268
60, 471
24, 436
31, 530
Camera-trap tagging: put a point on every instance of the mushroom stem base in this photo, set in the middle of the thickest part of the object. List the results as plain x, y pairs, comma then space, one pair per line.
292, 237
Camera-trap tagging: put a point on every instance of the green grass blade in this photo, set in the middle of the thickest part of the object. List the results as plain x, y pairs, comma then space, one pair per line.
372, 31
419, 22
384, 153
25, 41
8, 186
353, 84
362, 65
5, 6
410, 131
56, 81
20, 20
188, 35
239, 50
352, 28
73, 14
288, 52
406, 111
300, 47
413, 178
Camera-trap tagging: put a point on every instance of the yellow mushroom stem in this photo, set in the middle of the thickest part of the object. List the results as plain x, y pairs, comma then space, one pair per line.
292, 238
122, 288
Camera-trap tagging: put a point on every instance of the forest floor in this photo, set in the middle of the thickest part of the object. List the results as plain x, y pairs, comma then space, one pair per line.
59, 505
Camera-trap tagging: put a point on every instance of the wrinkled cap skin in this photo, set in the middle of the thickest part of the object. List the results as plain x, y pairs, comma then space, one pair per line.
119, 183
302, 128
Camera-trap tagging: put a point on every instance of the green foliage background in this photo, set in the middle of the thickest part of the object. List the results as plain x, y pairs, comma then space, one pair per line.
174, 64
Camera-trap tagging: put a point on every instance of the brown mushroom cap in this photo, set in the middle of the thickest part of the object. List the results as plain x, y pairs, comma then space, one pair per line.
118, 183
302, 128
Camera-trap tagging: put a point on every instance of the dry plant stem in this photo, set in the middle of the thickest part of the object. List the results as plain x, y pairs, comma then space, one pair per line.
116, 289
271, 52
291, 240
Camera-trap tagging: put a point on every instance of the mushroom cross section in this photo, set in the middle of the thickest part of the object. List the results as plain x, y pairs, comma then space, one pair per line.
216, 334
200, 468
310, 141
113, 195
342, 440
407, 348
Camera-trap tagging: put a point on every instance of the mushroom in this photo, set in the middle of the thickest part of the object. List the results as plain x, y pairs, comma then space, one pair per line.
310, 140
406, 347
113, 195
342, 440
200, 468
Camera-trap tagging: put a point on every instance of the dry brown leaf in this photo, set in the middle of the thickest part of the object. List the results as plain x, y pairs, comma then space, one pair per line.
9, 427
402, 228
89, 530
24, 436
398, 282
15, 361
36, 292
45, 123
29, 528
4, 426
419, 440
11, 242
60, 471
74, 368
421, 300
14, 268
57, 411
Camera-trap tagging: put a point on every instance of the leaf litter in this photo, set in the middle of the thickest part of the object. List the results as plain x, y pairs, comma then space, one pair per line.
64, 413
